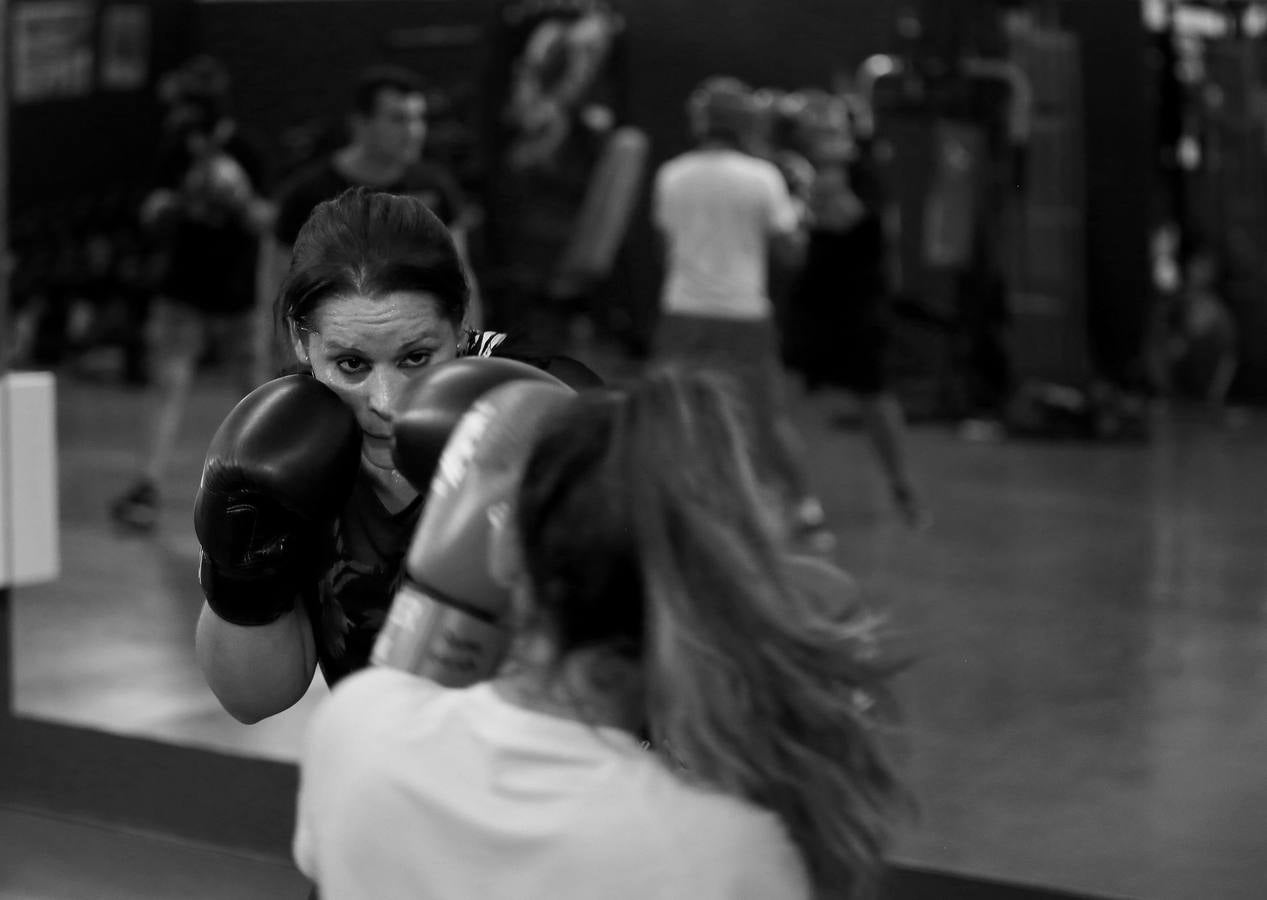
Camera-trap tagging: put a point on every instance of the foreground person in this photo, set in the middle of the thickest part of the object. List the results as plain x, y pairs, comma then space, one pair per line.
652, 594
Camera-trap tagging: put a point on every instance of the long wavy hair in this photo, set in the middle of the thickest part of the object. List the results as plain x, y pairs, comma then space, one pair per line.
646, 531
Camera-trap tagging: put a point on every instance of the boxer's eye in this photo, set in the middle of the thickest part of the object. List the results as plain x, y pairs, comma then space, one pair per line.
415, 359
350, 365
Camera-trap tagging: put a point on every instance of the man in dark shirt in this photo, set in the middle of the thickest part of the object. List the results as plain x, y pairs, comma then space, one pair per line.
388, 130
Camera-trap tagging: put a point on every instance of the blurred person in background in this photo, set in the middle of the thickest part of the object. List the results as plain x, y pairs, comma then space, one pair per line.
387, 129
838, 321
721, 212
654, 592
206, 213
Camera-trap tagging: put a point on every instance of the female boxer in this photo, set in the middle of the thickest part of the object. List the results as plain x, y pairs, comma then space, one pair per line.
302, 515
652, 590
838, 320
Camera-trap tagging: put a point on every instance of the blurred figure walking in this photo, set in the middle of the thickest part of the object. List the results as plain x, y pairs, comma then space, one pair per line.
207, 213
838, 324
722, 212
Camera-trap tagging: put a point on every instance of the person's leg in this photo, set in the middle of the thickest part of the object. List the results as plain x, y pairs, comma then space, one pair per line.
177, 337
136, 369
269, 354
1221, 381
808, 518
886, 426
237, 337
1221, 333
760, 374
786, 447
746, 353
186, 334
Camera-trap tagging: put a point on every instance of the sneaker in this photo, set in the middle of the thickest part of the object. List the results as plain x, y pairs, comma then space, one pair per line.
809, 527
914, 513
138, 508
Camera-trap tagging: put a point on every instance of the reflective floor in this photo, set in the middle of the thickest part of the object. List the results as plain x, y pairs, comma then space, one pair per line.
1088, 709
48, 858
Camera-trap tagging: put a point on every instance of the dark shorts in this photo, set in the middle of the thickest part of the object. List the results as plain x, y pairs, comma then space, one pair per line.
746, 350
180, 333
843, 343
861, 359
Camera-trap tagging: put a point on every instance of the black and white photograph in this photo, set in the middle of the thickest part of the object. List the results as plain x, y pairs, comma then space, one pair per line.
629, 449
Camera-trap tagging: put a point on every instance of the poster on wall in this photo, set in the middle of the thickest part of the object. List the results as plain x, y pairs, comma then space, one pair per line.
52, 50
125, 47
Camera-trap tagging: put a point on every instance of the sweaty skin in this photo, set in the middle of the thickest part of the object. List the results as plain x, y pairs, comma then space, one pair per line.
367, 350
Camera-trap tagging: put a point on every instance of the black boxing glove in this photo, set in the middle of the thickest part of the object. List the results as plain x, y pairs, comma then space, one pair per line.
430, 408
278, 472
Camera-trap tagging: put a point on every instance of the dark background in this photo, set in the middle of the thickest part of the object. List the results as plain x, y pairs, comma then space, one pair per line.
292, 62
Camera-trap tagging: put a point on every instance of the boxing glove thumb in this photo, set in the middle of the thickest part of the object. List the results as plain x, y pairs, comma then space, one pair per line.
448, 620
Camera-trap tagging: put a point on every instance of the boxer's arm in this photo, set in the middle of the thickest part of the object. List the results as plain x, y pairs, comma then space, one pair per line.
279, 469
257, 671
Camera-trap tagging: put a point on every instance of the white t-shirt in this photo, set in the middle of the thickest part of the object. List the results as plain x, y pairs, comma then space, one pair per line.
410, 790
718, 210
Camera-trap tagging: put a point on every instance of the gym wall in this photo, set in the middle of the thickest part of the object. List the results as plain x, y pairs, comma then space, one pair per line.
1119, 132
292, 61
66, 151
273, 47
674, 45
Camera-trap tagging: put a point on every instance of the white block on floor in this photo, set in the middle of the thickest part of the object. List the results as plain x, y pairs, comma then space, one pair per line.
29, 534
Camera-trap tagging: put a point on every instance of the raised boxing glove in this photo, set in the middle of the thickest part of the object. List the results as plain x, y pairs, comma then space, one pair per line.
430, 408
447, 621
278, 472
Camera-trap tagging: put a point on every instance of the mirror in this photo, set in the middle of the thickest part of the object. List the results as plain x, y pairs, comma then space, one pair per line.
1087, 614
1077, 606
109, 646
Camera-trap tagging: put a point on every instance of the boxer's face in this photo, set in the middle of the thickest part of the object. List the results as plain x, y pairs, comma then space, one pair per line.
397, 129
367, 349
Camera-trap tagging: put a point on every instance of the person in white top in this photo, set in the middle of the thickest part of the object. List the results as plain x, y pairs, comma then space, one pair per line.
653, 596
721, 212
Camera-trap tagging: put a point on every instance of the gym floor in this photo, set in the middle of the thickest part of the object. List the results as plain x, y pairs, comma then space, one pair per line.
49, 858
1085, 711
